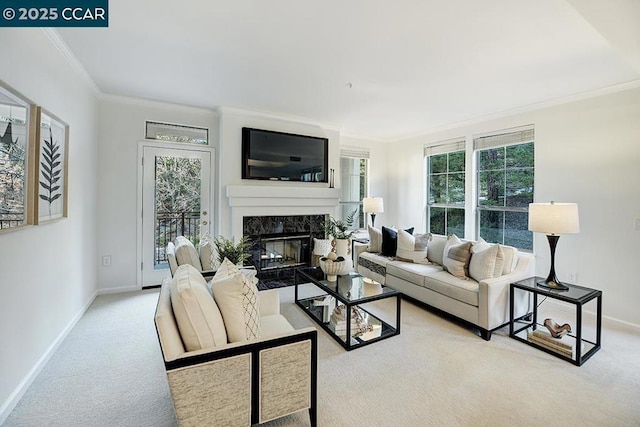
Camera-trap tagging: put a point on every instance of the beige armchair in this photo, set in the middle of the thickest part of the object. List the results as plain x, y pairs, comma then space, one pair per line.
238, 383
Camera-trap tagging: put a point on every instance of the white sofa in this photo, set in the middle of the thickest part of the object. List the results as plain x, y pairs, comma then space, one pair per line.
484, 304
215, 382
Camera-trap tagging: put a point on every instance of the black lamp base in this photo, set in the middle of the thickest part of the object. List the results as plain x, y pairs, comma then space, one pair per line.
555, 285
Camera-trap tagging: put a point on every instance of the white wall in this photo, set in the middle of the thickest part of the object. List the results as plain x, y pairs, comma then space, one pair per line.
121, 127
588, 152
48, 273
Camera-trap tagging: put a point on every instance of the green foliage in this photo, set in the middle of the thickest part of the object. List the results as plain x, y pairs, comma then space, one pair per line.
228, 248
339, 229
51, 169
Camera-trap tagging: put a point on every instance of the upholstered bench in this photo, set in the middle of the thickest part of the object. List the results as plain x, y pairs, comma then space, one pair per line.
232, 360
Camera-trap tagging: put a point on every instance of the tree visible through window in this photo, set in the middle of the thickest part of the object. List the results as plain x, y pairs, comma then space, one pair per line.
505, 189
446, 184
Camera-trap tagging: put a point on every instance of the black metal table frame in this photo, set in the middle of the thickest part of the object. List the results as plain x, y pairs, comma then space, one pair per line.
558, 295
346, 343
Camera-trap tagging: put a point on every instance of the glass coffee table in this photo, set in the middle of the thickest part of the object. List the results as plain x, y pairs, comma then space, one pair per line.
338, 306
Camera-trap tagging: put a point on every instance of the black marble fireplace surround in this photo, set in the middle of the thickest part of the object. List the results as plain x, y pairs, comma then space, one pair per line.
279, 244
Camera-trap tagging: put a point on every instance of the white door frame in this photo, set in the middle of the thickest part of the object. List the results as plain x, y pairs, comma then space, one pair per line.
139, 202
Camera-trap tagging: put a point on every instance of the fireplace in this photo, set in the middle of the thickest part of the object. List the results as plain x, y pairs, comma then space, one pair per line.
279, 244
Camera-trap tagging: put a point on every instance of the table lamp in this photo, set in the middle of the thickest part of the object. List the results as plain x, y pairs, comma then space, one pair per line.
373, 205
553, 219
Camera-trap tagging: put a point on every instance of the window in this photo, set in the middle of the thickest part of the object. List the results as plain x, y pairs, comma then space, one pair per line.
505, 171
446, 187
176, 133
354, 176
15, 145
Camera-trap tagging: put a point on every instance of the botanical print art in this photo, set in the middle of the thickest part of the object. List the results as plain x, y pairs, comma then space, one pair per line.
51, 185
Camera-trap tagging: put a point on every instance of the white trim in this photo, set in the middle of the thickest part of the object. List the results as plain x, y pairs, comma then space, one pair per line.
143, 102
172, 146
67, 54
634, 84
26, 382
275, 116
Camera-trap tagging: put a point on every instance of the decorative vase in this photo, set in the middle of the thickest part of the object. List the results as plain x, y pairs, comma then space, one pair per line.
342, 247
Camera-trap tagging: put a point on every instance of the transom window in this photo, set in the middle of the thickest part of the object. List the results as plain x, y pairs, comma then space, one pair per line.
176, 133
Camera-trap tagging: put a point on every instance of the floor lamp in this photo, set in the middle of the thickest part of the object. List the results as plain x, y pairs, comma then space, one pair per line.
373, 205
553, 219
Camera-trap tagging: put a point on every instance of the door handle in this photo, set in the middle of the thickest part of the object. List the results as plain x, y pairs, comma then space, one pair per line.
204, 222
204, 213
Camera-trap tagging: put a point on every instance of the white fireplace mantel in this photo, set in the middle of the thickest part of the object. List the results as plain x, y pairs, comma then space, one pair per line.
261, 200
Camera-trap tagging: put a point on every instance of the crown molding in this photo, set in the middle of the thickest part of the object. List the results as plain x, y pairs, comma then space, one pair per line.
61, 46
275, 116
132, 100
634, 84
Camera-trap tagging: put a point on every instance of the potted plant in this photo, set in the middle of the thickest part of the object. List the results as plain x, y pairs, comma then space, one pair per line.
234, 252
340, 230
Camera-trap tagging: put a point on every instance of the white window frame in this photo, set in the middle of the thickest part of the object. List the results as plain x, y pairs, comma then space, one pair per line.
499, 139
444, 147
361, 154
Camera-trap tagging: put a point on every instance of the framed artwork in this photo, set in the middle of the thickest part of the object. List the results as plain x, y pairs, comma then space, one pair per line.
17, 159
52, 165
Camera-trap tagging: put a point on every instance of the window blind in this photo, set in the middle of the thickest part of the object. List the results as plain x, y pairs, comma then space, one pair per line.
503, 138
355, 152
448, 146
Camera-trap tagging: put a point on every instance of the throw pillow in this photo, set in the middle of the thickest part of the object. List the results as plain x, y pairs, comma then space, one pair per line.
196, 313
390, 240
207, 258
321, 246
456, 257
375, 240
237, 297
407, 248
435, 250
486, 262
510, 259
186, 253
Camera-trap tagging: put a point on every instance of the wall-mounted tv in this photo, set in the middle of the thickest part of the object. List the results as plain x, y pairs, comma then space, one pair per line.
282, 156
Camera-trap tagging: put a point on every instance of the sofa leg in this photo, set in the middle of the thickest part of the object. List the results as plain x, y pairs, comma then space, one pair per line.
486, 335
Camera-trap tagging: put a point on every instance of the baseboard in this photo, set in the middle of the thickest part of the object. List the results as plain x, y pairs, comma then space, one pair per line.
24, 385
118, 290
592, 314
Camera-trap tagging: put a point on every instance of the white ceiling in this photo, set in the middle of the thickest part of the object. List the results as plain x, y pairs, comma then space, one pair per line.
414, 65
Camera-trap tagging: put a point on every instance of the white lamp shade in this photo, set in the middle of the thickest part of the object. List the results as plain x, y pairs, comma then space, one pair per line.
373, 204
554, 218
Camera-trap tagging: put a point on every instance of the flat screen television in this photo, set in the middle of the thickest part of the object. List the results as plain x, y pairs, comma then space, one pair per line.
282, 156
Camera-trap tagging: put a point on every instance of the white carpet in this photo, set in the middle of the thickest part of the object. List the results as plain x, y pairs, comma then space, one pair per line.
109, 372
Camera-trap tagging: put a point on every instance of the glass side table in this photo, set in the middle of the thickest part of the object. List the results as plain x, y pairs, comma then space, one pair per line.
573, 347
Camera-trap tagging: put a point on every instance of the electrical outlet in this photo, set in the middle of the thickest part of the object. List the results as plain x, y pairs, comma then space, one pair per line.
573, 277
106, 261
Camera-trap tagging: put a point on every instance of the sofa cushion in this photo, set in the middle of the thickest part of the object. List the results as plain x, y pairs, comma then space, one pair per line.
237, 297
409, 250
414, 273
453, 287
435, 250
486, 262
275, 324
186, 253
197, 315
456, 257
375, 239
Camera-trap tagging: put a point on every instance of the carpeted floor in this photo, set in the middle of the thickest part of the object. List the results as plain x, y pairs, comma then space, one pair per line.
109, 372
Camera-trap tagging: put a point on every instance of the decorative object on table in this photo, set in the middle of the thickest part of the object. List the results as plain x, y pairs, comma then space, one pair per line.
331, 178
545, 340
234, 252
557, 331
333, 266
553, 219
373, 206
52, 137
359, 324
328, 304
341, 233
